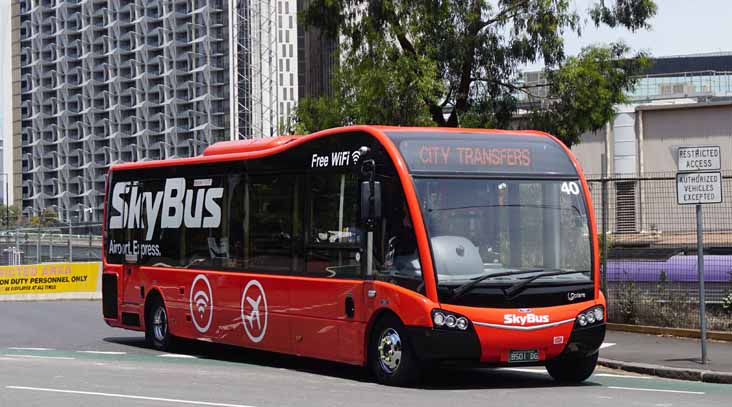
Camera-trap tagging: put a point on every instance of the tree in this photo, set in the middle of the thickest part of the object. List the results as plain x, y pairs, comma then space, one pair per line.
9, 215
459, 63
48, 217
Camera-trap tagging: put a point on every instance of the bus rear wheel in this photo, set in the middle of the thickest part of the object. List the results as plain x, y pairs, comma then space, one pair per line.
157, 333
572, 369
390, 355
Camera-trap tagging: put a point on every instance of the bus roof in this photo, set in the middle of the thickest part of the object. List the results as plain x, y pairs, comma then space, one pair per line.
257, 148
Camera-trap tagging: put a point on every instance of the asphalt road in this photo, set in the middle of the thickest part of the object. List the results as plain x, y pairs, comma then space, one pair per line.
62, 354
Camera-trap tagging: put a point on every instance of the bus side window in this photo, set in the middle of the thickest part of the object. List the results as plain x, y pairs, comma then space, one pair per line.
333, 234
399, 255
271, 223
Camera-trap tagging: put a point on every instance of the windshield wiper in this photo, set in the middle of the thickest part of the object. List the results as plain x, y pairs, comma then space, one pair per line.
511, 291
460, 290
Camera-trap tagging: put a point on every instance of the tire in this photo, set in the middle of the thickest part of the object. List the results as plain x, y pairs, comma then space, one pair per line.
157, 332
572, 370
390, 355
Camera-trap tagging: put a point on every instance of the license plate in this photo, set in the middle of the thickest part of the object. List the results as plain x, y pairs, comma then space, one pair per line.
518, 356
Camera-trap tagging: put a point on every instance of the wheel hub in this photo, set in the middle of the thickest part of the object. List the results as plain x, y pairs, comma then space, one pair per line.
160, 324
390, 350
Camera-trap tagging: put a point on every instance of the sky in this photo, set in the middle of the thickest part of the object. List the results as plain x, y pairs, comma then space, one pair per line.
679, 27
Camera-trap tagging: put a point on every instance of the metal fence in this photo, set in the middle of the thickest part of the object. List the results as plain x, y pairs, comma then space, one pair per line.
50, 243
648, 251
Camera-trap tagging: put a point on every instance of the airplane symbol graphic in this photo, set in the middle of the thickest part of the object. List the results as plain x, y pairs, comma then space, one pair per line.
255, 312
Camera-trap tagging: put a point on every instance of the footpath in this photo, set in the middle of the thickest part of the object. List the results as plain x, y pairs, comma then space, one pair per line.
666, 356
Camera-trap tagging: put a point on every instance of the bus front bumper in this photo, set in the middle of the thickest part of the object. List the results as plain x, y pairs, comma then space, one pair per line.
491, 347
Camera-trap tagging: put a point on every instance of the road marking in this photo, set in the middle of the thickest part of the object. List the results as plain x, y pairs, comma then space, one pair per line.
177, 355
657, 390
606, 345
99, 352
38, 356
126, 396
621, 375
39, 349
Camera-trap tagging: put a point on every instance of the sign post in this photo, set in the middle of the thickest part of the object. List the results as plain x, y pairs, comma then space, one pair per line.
699, 182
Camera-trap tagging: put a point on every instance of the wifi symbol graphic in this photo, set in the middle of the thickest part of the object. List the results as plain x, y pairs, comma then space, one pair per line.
356, 155
201, 300
201, 303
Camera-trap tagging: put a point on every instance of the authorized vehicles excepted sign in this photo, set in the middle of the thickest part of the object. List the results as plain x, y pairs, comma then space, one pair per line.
49, 278
698, 188
702, 158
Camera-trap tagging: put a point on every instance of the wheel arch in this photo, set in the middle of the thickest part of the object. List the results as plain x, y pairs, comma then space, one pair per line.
375, 317
154, 294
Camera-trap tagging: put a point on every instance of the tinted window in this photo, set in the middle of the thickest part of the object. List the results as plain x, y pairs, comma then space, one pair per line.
273, 214
334, 234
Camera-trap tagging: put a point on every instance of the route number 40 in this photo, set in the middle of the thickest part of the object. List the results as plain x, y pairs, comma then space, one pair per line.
570, 188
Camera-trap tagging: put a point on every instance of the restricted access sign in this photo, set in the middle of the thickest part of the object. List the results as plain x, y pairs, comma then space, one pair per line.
699, 158
694, 188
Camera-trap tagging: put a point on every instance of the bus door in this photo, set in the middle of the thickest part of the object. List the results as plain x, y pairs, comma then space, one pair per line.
132, 292
327, 303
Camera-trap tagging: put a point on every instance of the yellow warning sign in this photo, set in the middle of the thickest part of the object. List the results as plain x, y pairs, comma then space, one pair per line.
49, 278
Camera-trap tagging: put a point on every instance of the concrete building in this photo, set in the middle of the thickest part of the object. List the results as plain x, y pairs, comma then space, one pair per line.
681, 101
108, 81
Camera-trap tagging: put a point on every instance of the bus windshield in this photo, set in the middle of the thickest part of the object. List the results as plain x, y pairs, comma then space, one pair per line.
482, 226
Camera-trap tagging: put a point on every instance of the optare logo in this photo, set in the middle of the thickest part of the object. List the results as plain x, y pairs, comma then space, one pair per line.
513, 319
575, 296
254, 311
524, 310
201, 303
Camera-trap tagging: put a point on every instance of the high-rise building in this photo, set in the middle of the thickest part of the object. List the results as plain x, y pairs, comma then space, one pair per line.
108, 81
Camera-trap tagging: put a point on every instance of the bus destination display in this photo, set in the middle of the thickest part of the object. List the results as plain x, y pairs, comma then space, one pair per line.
486, 155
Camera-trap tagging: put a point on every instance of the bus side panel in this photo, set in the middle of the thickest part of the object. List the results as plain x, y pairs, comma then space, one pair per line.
226, 312
322, 325
412, 308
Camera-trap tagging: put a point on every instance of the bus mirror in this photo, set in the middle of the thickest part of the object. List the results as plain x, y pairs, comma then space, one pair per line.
365, 200
377, 200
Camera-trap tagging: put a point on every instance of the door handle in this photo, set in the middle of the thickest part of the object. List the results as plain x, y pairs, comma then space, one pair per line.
350, 307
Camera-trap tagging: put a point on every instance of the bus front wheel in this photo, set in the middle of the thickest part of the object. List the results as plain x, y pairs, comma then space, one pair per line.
572, 369
391, 358
157, 333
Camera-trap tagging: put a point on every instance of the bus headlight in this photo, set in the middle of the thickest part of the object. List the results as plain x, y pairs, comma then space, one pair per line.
591, 316
438, 318
445, 319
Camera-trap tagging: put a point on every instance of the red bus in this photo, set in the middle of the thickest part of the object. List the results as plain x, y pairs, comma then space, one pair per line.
388, 247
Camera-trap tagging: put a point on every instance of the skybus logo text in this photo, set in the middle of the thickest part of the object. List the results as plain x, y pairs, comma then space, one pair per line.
513, 319
179, 206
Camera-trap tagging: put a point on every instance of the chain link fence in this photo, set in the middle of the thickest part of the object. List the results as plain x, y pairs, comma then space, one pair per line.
649, 252
51, 243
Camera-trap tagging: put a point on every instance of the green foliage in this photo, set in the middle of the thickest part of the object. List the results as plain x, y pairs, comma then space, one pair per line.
48, 217
458, 63
585, 89
9, 215
727, 302
626, 302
